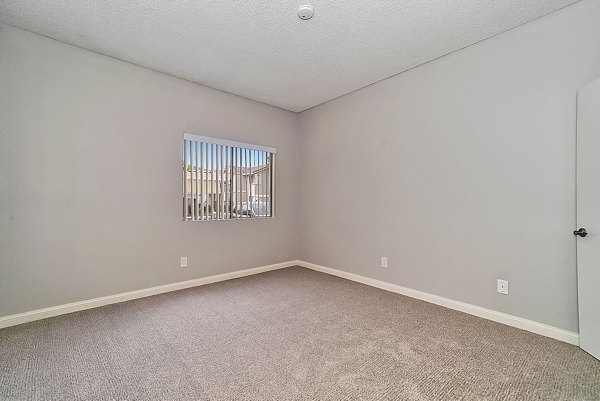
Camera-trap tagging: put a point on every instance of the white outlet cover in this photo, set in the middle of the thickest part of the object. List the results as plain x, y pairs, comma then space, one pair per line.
503, 286
183, 261
384, 261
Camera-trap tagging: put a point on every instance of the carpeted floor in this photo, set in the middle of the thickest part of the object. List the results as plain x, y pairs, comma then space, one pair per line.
291, 334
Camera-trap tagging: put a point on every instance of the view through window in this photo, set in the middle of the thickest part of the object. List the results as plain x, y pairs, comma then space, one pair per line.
225, 180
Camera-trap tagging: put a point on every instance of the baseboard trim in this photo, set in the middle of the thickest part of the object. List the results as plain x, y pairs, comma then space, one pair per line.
514, 321
13, 320
510, 320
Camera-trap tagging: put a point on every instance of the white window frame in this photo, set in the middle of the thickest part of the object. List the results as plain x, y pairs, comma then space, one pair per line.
226, 157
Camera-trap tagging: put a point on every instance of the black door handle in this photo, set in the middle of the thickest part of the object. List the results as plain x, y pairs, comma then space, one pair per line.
581, 232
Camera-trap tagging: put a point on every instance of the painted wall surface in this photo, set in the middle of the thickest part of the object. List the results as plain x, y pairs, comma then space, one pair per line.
460, 171
90, 177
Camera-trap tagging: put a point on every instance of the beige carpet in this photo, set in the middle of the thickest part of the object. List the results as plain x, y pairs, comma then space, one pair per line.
291, 334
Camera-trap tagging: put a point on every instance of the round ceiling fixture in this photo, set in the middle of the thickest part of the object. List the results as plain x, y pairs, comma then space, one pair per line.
305, 12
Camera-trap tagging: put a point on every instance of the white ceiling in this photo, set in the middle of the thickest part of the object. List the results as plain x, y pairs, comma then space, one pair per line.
261, 50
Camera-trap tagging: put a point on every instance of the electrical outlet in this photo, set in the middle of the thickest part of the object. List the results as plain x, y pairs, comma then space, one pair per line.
503, 286
183, 261
383, 261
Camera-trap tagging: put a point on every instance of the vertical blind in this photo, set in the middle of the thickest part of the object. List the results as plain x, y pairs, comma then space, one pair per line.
226, 180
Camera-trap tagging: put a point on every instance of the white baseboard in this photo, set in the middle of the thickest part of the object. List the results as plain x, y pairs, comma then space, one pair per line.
529, 325
38, 314
518, 322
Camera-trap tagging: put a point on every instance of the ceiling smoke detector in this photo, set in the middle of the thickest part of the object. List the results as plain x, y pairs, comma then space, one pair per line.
305, 12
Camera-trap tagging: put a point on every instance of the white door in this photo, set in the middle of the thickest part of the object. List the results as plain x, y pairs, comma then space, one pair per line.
588, 216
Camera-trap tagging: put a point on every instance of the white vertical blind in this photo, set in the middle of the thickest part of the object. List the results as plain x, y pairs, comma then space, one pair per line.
202, 180
225, 180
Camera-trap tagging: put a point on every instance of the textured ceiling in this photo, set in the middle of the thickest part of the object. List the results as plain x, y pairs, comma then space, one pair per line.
261, 50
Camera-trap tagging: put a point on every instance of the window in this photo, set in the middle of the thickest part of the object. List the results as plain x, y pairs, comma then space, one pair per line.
226, 180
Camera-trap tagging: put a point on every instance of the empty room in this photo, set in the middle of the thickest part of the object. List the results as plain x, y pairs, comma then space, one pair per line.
276, 200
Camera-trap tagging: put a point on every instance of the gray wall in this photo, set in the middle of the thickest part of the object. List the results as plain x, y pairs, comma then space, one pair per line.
460, 171
90, 176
